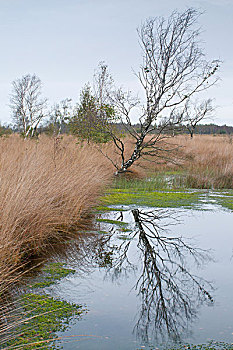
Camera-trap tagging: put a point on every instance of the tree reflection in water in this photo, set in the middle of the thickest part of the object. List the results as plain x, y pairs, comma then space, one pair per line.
169, 292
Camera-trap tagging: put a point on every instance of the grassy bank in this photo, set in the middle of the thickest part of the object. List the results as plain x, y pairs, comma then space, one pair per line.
48, 188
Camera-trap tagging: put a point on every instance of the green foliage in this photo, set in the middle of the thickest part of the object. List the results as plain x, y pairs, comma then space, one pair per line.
91, 121
5, 131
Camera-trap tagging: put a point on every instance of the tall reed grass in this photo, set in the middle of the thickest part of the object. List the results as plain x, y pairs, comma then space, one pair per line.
47, 190
208, 161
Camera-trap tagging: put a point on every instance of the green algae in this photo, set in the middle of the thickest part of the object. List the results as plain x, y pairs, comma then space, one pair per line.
42, 317
167, 198
160, 199
223, 198
125, 237
51, 274
142, 192
113, 222
100, 209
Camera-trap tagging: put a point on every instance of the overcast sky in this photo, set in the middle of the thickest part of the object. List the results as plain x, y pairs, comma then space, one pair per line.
62, 41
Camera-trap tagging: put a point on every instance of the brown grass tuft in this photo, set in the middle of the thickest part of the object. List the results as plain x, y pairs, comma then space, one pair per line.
48, 188
208, 161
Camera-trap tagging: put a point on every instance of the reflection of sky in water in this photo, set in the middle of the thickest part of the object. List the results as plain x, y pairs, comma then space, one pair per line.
113, 305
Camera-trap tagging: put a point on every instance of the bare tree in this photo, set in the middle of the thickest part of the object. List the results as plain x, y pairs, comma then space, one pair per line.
172, 71
194, 113
169, 292
60, 115
27, 106
103, 84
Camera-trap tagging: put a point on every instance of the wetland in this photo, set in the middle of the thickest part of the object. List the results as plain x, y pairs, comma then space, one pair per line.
153, 273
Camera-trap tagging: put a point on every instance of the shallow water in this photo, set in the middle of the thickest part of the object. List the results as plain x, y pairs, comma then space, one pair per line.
114, 306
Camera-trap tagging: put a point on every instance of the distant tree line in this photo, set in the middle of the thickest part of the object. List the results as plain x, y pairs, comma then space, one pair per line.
213, 129
205, 129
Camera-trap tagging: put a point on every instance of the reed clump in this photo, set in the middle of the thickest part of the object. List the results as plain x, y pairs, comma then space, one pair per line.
208, 161
47, 189
205, 161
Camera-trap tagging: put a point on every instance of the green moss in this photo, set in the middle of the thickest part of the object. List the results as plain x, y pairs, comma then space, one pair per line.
104, 209
223, 198
42, 316
102, 232
123, 229
51, 273
41, 319
113, 222
166, 199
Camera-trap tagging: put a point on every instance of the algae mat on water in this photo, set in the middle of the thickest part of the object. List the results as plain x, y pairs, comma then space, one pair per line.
188, 199
42, 318
51, 274
223, 198
39, 316
160, 199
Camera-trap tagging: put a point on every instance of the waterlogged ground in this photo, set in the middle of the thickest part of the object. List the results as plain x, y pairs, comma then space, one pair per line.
116, 303
190, 199
127, 298
38, 316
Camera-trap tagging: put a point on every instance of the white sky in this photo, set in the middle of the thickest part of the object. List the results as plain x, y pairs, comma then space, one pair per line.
62, 42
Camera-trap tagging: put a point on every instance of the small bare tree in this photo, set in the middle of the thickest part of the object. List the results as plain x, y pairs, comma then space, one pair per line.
59, 116
172, 71
26, 103
194, 113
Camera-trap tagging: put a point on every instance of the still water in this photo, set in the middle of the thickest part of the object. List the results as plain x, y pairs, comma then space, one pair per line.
155, 289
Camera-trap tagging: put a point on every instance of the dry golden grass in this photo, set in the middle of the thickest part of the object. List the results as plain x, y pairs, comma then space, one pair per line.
48, 188
208, 160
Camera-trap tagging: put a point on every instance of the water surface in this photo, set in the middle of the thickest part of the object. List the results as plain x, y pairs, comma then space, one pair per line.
119, 318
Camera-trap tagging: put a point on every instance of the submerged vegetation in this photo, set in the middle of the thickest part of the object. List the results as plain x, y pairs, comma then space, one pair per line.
43, 317
37, 317
51, 273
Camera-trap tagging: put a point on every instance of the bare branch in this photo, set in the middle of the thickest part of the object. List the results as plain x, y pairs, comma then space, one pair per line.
173, 70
